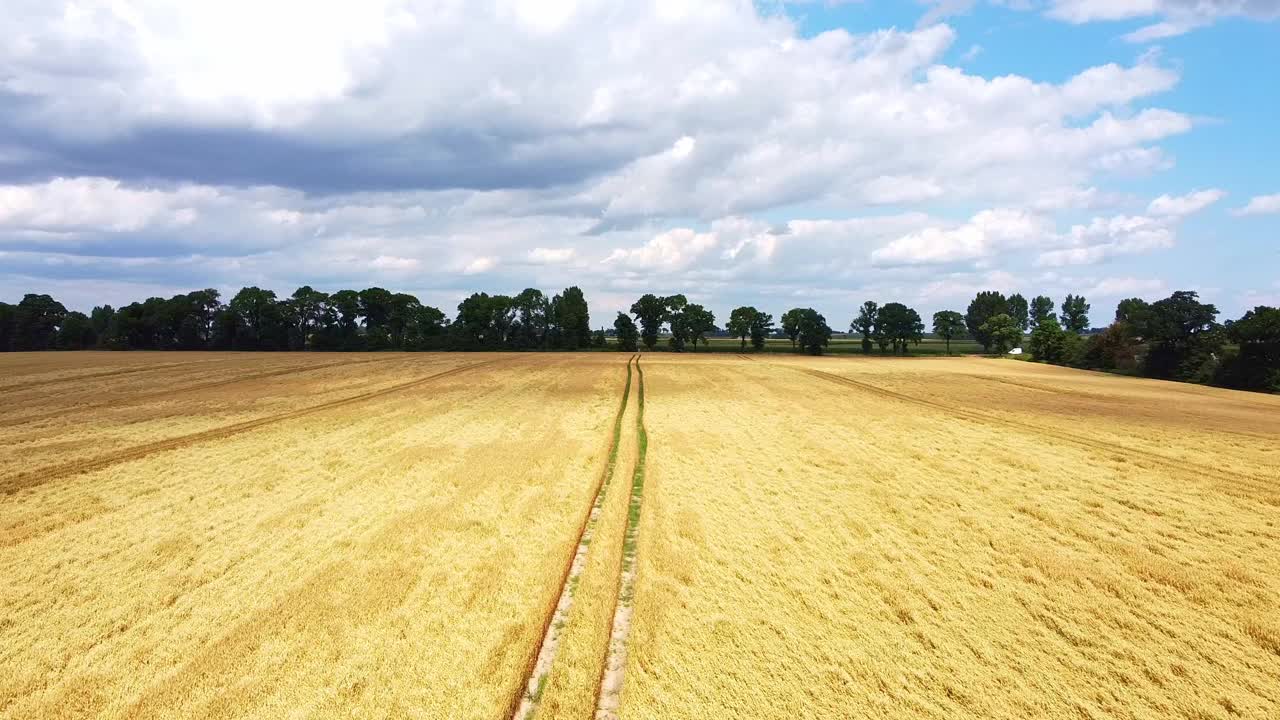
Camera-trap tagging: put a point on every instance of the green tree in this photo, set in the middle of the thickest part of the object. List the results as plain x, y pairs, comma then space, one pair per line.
813, 332
1256, 365
572, 319
740, 323
1019, 311
36, 322
791, 324
624, 328
484, 321
651, 312
1183, 338
698, 322
1131, 310
1002, 332
308, 308
8, 326
985, 306
865, 323
900, 325
599, 340
346, 304
1048, 341
948, 325
1041, 310
761, 326
76, 332
259, 320
1075, 314
533, 319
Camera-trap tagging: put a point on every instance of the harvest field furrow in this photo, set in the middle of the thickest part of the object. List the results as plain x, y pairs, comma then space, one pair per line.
373, 560
450, 536
831, 555
19, 419
1266, 485
536, 676
28, 384
14, 483
1056, 433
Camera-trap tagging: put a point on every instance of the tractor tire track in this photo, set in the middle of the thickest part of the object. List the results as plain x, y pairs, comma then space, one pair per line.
1178, 465
612, 671
538, 668
20, 481
133, 399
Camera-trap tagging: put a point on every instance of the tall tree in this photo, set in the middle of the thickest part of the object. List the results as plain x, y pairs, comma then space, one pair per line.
900, 325
865, 323
740, 323
1042, 310
651, 312
533, 319
1183, 337
260, 322
76, 332
1256, 365
307, 313
948, 324
761, 326
404, 312
1002, 332
484, 321
698, 322
8, 326
36, 322
375, 307
985, 306
791, 324
1019, 311
625, 330
346, 303
1131, 310
1048, 341
572, 319
813, 332
1075, 314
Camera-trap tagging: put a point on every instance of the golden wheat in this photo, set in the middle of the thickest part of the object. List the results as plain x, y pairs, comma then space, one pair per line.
391, 558
818, 549
387, 535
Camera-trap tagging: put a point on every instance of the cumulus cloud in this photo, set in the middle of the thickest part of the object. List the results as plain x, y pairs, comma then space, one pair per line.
426, 142
986, 233
1104, 238
1175, 16
1260, 205
1192, 202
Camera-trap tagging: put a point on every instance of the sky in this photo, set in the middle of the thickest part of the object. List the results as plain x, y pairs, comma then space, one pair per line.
770, 153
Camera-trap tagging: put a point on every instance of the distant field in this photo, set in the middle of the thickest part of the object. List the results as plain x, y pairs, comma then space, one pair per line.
583, 536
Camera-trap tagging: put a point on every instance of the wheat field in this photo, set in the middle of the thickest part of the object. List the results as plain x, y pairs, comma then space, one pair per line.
225, 535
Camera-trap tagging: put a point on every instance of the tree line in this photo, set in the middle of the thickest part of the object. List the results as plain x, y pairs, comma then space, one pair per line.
1177, 338
347, 320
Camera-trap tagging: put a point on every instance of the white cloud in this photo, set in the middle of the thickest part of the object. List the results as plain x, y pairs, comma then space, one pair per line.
479, 265
390, 262
551, 256
1260, 205
1187, 204
98, 204
672, 250
985, 234
1104, 238
1175, 16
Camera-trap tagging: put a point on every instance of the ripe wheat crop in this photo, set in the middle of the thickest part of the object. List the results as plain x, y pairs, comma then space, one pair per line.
386, 535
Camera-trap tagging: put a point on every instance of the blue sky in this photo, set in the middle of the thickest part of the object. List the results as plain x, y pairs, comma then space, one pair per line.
771, 153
